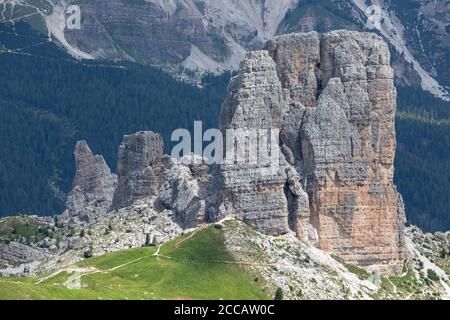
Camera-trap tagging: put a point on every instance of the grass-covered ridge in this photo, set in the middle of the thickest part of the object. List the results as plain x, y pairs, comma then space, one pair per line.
194, 266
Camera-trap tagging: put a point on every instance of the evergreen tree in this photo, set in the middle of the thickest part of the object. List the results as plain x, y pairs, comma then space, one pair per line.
278, 294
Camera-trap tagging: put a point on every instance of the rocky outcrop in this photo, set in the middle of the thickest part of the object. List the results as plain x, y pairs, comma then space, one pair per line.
334, 100
183, 192
93, 185
145, 175
254, 191
16, 253
138, 168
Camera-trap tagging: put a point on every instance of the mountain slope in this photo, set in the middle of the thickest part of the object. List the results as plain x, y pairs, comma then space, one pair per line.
427, 34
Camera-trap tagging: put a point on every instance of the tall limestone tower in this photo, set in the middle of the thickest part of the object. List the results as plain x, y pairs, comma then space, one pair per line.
333, 98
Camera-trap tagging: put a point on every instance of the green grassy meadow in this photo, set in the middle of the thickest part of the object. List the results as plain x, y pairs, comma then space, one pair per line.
194, 266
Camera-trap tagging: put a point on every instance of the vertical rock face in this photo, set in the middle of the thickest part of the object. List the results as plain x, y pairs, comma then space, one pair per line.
254, 98
310, 145
93, 185
138, 167
355, 207
334, 100
297, 57
255, 191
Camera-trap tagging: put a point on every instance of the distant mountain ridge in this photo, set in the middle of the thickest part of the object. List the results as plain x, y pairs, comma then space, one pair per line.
188, 37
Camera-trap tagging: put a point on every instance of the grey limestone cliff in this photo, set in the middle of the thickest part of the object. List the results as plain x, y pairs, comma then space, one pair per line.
93, 185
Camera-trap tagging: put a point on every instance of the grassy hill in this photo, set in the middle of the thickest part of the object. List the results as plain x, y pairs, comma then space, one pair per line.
194, 266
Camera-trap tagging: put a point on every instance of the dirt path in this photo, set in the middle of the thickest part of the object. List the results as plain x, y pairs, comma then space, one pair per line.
54, 274
218, 261
156, 254
393, 285
447, 290
91, 270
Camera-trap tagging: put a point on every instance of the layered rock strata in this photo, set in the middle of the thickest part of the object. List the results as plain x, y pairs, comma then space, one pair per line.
310, 144
254, 191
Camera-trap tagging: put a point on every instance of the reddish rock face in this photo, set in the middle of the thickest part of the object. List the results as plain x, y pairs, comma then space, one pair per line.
337, 114
343, 82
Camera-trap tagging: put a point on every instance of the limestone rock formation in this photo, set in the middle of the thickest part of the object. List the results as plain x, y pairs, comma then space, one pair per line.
93, 185
145, 176
183, 191
334, 100
254, 191
310, 145
138, 168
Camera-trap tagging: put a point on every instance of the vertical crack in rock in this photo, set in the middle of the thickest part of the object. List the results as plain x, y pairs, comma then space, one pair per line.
298, 60
329, 176
357, 209
183, 191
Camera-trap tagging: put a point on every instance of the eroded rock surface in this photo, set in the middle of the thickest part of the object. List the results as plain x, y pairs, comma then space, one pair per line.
183, 192
309, 128
18, 253
254, 191
334, 100
93, 185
